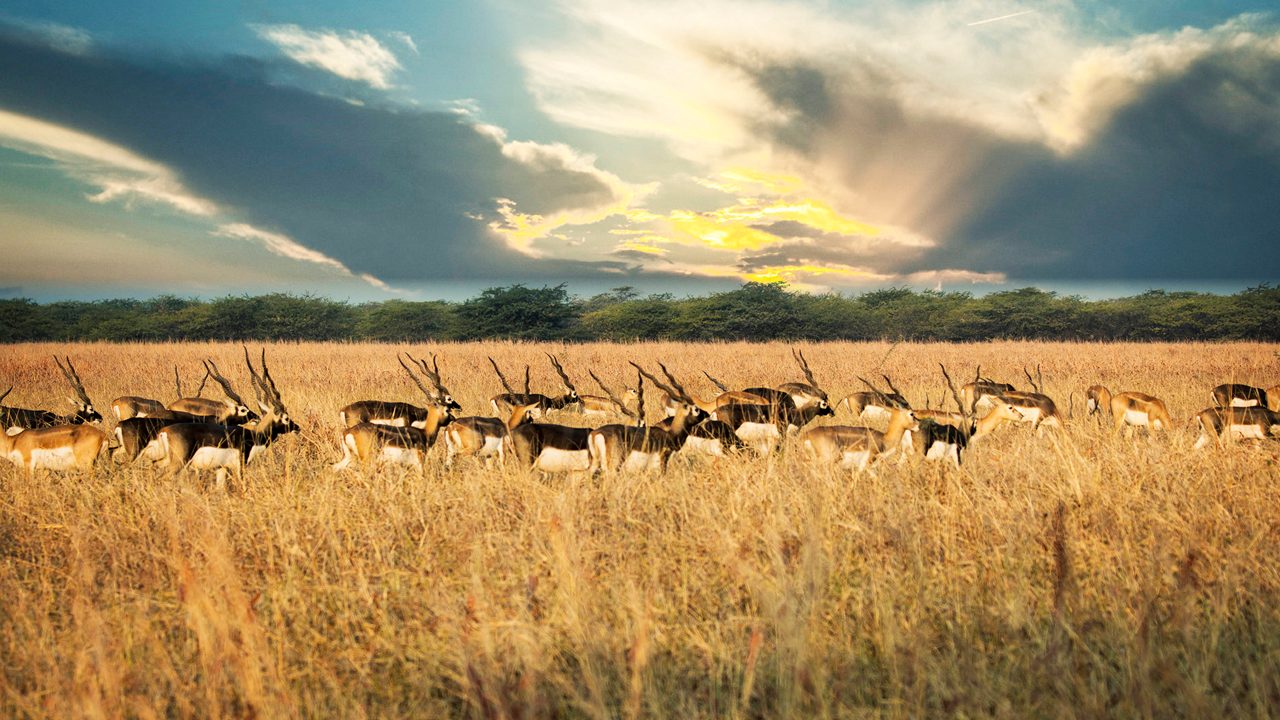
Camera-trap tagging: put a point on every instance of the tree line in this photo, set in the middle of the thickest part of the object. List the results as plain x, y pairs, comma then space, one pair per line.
755, 311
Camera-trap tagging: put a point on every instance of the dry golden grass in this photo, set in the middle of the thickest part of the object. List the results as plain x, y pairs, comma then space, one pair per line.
1076, 575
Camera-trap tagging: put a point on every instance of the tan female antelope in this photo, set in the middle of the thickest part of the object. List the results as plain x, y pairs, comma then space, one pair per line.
483, 437
597, 406
857, 447
211, 446
14, 419
1236, 395
1130, 408
62, 447
402, 414
873, 404
504, 403
982, 390
235, 412
1220, 424
133, 406
1034, 407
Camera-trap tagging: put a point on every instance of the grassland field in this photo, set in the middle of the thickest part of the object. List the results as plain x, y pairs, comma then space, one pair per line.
1079, 574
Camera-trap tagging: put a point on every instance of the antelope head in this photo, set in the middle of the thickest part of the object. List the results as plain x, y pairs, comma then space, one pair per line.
564, 377
276, 416
84, 406
242, 413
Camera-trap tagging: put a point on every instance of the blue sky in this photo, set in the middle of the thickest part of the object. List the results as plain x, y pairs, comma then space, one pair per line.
423, 150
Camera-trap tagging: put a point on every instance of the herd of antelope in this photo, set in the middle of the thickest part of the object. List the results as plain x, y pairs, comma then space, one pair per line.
226, 434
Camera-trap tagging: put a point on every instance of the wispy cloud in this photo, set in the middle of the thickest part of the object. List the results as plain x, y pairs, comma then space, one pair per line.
348, 54
122, 175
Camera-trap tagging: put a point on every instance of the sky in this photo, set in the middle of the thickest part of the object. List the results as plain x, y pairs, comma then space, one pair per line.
427, 149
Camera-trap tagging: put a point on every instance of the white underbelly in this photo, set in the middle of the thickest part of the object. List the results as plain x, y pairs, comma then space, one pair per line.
492, 446
940, 450
554, 460
1136, 417
755, 432
389, 422
850, 459
762, 437
53, 458
401, 456
154, 451
705, 446
1029, 415
642, 462
874, 412
208, 458
1248, 431
1239, 402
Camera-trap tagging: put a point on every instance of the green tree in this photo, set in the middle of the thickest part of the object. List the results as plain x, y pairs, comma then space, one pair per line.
518, 312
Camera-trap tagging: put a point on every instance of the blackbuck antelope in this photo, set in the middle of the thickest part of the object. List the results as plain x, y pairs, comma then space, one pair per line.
671, 405
14, 419
139, 437
372, 443
483, 437
62, 447
552, 448
807, 393
133, 406
764, 426
1220, 424
504, 403
1034, 407
982, 390
948, 440
637, 448
403, 414
1236, 395
235, 412
874, 404
400, 438
211, 446
1129, 408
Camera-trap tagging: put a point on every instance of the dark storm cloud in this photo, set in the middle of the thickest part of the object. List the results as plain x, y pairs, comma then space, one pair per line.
1182, 182
386, 190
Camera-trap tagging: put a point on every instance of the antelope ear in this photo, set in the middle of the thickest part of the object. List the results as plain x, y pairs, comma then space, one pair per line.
74, 401
263, 406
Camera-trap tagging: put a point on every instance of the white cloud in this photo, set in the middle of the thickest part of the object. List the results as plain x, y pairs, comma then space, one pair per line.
66, 38
124, 176
519, 230
348, 54
1107, 78
121, 174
